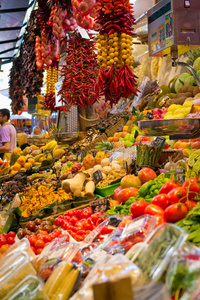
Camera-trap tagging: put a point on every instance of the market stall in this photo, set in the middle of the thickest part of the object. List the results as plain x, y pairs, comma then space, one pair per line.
106, 204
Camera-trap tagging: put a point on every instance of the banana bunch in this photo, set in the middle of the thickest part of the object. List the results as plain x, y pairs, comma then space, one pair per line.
51, 145
62, 281
51, 79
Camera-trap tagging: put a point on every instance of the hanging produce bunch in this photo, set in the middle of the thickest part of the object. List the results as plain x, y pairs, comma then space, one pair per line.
51, 79
31, 77
85, 12
116, 78
80, 73
15, 87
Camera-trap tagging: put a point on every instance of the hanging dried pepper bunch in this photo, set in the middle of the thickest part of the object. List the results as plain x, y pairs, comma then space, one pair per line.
31, 77
116, 78
15, 87
79, 73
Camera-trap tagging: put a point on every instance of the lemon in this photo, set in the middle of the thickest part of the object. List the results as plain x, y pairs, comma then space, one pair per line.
99, 45
111, 55
103, 49
111, 35
115, 34
116, 53
104, 54
99, 57
104, 65
131, 67
115, 44
128, 61
116, 59
124, 56
110, 42
111, 50
123, 40
111, 61
123, 35
115, 39
123, 52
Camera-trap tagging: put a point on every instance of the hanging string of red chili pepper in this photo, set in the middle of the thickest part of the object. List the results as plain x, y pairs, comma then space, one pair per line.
116, 78
80, 72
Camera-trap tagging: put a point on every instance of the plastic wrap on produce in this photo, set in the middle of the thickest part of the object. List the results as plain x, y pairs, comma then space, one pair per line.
109, 268
151, 292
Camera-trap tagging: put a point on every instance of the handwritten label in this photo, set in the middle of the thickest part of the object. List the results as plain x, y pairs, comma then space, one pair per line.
180, 175
159, 142
97, 176
100, 205
149, 115
83, 33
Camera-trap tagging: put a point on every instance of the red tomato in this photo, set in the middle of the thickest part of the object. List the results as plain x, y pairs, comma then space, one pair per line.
190, 204
146, 174
79, 213
47, 239
160, 219
2, 240
125, 221
194, 187
74, 220
58, 222
107, 229
126, 193
87, 212
80, 232
116, 192
39, 244
161, 200
32, 240
12, 234
138, 207
10, 240
153, 209
43, 232
38, 251
168, 186
175, 212
5, 235
177, 194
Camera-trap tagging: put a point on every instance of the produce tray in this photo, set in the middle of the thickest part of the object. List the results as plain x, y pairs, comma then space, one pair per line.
68, 137
175, 127
107, 190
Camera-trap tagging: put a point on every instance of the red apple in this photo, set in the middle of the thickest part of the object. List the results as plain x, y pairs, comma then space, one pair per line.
146, 174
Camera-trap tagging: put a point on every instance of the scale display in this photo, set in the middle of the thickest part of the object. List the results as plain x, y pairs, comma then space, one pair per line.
173, 22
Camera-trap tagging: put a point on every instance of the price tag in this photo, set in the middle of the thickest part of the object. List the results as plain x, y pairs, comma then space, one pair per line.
97, 176
149, 115
180, 175
159, 142
100, 205
83, 33
125, 165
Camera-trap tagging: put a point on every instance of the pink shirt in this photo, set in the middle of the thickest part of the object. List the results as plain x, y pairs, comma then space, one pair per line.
8, 135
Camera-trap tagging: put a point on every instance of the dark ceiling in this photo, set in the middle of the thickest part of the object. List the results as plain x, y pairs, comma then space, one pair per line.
12, 26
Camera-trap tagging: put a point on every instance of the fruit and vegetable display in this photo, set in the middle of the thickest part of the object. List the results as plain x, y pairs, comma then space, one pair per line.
114, 211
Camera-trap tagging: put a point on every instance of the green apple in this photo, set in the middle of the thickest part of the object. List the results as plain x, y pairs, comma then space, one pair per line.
121, 140
128, 143
127, 137
132, 138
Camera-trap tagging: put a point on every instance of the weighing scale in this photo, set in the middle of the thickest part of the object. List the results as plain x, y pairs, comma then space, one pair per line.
173, 29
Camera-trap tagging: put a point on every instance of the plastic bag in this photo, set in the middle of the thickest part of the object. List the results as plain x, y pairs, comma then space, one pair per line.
151, 292
109, 268
182, 275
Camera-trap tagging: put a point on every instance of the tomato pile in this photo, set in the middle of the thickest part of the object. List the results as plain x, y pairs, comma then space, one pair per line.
171, 204
39, 241
6, 240
79, 223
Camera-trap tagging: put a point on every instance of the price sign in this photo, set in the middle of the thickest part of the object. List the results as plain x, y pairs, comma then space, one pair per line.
97, 176
100, 205
149, 115
159, 142
83, 33
180, 175
125, 165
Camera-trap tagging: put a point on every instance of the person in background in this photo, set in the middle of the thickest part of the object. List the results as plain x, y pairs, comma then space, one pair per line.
19, 130
41, 127
36, 131
8, 140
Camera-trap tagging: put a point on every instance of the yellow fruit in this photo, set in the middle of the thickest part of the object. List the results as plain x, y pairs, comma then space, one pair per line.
17, 150
31, 161
13, 172
34, 147
88, 161
99, 156
22, 160
16, 166
27, 165
23, 169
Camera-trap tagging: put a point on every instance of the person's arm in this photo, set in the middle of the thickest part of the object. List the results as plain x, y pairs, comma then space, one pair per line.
5, 147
